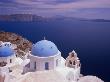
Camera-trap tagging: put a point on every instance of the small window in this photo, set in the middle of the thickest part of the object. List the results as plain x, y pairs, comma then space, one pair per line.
34, 65
10, 60
46, 66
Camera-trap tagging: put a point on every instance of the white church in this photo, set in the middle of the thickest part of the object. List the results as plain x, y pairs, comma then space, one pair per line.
43, 63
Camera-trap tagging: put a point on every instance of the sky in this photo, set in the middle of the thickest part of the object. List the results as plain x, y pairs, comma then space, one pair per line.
93, 9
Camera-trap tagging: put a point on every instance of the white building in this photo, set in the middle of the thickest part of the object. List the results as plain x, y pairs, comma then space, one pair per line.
8, 60
43, 63
45, 56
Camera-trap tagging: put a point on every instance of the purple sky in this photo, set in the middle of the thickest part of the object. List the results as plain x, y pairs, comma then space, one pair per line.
73, 8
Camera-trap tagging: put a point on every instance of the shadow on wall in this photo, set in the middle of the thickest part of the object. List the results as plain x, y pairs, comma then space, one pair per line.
2, 78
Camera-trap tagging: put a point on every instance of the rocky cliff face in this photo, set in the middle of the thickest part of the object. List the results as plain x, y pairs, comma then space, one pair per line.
22, 43
21, 18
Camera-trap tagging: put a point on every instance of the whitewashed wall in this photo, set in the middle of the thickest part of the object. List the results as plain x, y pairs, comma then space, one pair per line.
4, 72
7, 59
40, 62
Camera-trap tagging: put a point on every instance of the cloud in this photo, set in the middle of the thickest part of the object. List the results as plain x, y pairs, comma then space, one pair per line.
79, 8
71, 4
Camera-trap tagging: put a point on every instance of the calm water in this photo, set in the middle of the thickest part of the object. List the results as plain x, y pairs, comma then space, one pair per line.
91, 40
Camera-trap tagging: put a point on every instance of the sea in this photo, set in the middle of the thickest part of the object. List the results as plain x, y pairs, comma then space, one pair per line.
90, 40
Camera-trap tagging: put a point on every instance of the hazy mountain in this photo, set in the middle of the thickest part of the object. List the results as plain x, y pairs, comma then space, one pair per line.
21, 17
96, 20
36, 18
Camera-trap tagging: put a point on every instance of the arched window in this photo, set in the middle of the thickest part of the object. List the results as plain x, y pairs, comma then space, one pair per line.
46, 66
70, 62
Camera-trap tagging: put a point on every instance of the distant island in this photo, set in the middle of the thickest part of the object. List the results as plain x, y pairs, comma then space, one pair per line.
96, 20
36, 18
21, 18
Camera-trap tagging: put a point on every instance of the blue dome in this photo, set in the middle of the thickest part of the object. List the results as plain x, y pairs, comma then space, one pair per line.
6, 51
44, 48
